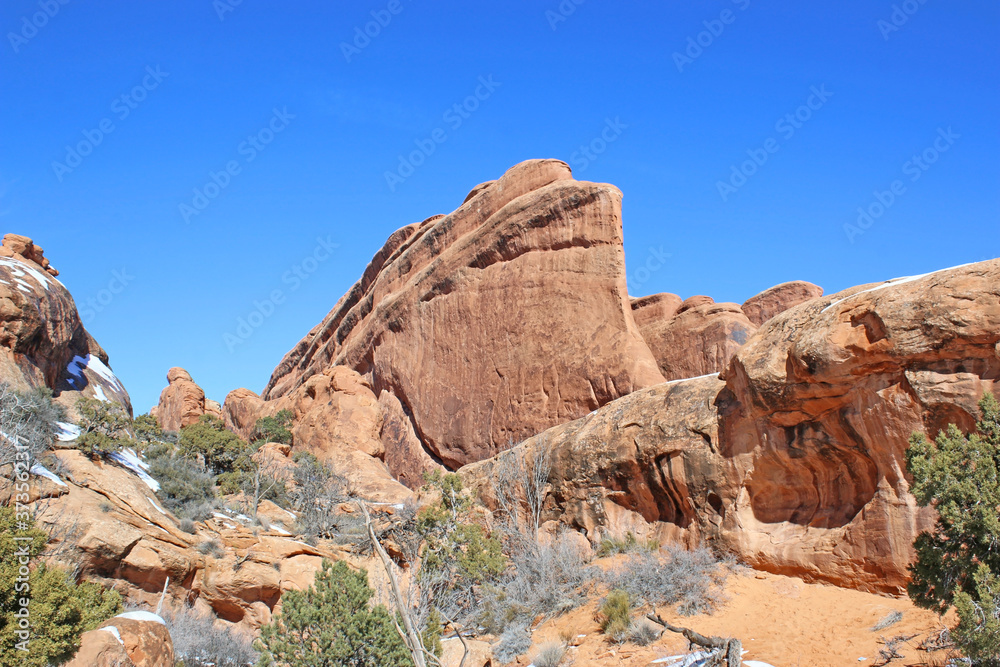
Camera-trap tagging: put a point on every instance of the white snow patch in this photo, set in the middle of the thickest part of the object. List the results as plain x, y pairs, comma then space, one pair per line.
697, 377
20, 269
279, 529
892, 283
696, 659
158, 508
100, 393
41, 471
76, 366
113, 630
242, 517
128, 459
288, 513
67, 432
21, 286
142, 616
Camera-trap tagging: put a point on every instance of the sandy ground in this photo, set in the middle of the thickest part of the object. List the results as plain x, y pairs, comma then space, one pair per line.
781, 621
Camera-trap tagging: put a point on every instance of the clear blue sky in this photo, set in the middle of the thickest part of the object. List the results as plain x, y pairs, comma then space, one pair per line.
686, 124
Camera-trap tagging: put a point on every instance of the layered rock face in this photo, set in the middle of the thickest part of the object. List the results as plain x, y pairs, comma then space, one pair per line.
336, 417
778, 299
795, 458
42, 341
480, 328
693, 337
182, 402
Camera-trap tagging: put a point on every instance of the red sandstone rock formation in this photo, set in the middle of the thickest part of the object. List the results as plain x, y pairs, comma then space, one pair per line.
336, 417
691, 338
794, 459
133, 638
778, 299
42, 341
490, 324
182, 402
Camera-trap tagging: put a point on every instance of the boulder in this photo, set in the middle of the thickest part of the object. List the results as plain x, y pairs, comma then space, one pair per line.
136, 638
778, 299
488, 325
182, 402
694, 337
793, 459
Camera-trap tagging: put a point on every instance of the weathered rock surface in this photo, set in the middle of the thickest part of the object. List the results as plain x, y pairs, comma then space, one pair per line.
107, 525
691, 338
337, 418
795, 458
182, 402
42, 341
508, 316
778, 299
133, 638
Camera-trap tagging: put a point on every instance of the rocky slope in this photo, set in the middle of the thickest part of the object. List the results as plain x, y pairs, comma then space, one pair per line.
42, 341
793, 458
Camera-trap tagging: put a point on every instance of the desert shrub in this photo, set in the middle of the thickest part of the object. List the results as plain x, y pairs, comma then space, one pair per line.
188, 526
642, 633
274, 429
689, 579
186, 487
543, 579
610, 546
887, 621
209, 439
28, 419
104, 427
459, 556
200, 642
333, 623
211, 548
514, 642
317, 492
60, 609
148, 434
959, 563
615, 615
550, 654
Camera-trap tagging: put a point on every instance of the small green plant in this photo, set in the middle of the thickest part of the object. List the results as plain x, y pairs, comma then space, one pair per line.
218, 447
643, 633
211, 548
60, 609
186, 487
959, 563
274, 429
616, 615
333, 623
610, 546
104, 428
